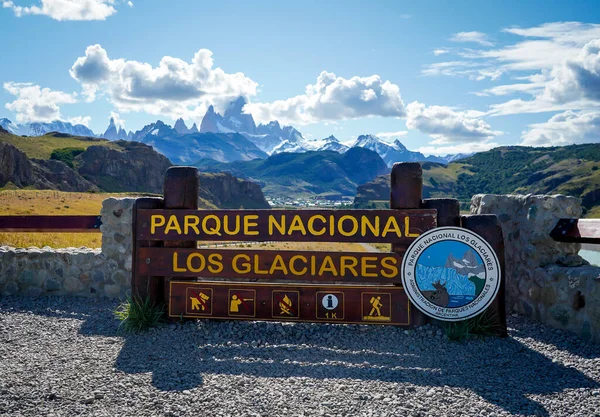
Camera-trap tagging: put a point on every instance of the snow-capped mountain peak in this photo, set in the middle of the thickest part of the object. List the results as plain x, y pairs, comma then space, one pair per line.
41, 128
267, 137
9, 126
180, 127
114, 133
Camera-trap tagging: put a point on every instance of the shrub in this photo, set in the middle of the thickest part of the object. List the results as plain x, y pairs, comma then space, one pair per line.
138, 315
66, 155
479, 326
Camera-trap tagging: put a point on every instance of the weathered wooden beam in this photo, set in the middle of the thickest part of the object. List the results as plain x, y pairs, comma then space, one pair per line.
53, 224
145, 286
577, 231
406, 192
372, 268
285, 225
299, 303
181, 191
488, 227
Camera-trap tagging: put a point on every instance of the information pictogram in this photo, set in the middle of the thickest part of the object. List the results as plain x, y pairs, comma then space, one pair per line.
330, 305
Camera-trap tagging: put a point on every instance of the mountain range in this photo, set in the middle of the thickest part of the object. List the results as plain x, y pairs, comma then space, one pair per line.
233, 136
570, 170
40, 129
326, 174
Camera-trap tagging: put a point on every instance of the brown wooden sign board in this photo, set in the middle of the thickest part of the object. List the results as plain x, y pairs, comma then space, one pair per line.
375, 226
279, 302
380, 268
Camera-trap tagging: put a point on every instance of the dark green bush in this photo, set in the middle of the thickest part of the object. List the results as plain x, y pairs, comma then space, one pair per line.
66, 155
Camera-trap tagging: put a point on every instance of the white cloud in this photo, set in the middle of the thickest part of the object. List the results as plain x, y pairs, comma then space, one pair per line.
473, 70
539, 55
577, 78
448, 126
574, 84
80, 120
387, 136
174, 88
476, 37
564, 129
465, 148
440, 51
66, 9
130, 3
117, 119
36, 104
334, 98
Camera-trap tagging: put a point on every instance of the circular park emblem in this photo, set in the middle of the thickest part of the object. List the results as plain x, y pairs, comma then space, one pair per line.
450, 273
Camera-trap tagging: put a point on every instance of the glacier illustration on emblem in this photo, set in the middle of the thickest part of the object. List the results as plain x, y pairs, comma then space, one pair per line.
450, 274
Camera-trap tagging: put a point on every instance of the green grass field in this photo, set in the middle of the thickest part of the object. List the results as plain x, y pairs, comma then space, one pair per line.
41, 147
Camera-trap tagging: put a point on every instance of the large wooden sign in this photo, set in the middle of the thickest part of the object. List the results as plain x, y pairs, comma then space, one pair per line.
269, 264
281, 302
384, 226
331, 287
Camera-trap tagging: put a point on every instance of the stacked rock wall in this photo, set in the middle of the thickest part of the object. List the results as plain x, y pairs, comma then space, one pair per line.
76, 271
545, 280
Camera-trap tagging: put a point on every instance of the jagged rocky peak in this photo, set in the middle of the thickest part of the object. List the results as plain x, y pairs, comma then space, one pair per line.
194, 129
158, 128
399, 145
210, 121
237, 120
180, 127
331, 138
111, 131
366, 140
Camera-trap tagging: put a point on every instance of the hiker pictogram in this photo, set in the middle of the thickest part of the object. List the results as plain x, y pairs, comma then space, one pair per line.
242, 303
378, 306
286, 304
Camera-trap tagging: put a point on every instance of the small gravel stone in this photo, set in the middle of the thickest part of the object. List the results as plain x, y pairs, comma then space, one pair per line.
66, 356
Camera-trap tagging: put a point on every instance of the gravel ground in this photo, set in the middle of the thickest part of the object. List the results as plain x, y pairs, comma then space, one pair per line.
65, 356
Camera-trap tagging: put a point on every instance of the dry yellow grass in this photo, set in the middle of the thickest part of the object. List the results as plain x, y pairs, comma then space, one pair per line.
33, 202
47, 202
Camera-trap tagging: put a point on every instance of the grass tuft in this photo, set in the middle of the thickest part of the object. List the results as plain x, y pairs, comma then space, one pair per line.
138, 315
480, 326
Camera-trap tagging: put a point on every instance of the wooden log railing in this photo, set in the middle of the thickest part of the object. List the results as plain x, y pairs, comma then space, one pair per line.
577, 231
54, 224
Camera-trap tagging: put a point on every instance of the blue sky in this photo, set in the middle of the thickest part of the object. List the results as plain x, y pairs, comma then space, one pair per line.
440, 76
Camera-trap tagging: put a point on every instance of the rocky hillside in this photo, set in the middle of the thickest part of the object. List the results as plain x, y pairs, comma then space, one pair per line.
118, 166
228, 192
18, 171
570, 170
134, 167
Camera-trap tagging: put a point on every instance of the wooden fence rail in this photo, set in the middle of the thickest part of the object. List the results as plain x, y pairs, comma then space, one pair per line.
577, 231
53, 224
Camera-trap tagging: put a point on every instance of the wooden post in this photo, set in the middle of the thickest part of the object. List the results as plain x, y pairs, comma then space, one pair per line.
143, 287
448, 210
406, 191
181, 191
488, 227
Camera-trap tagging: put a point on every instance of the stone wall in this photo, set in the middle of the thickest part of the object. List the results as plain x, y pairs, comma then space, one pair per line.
545, 280
76, 271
